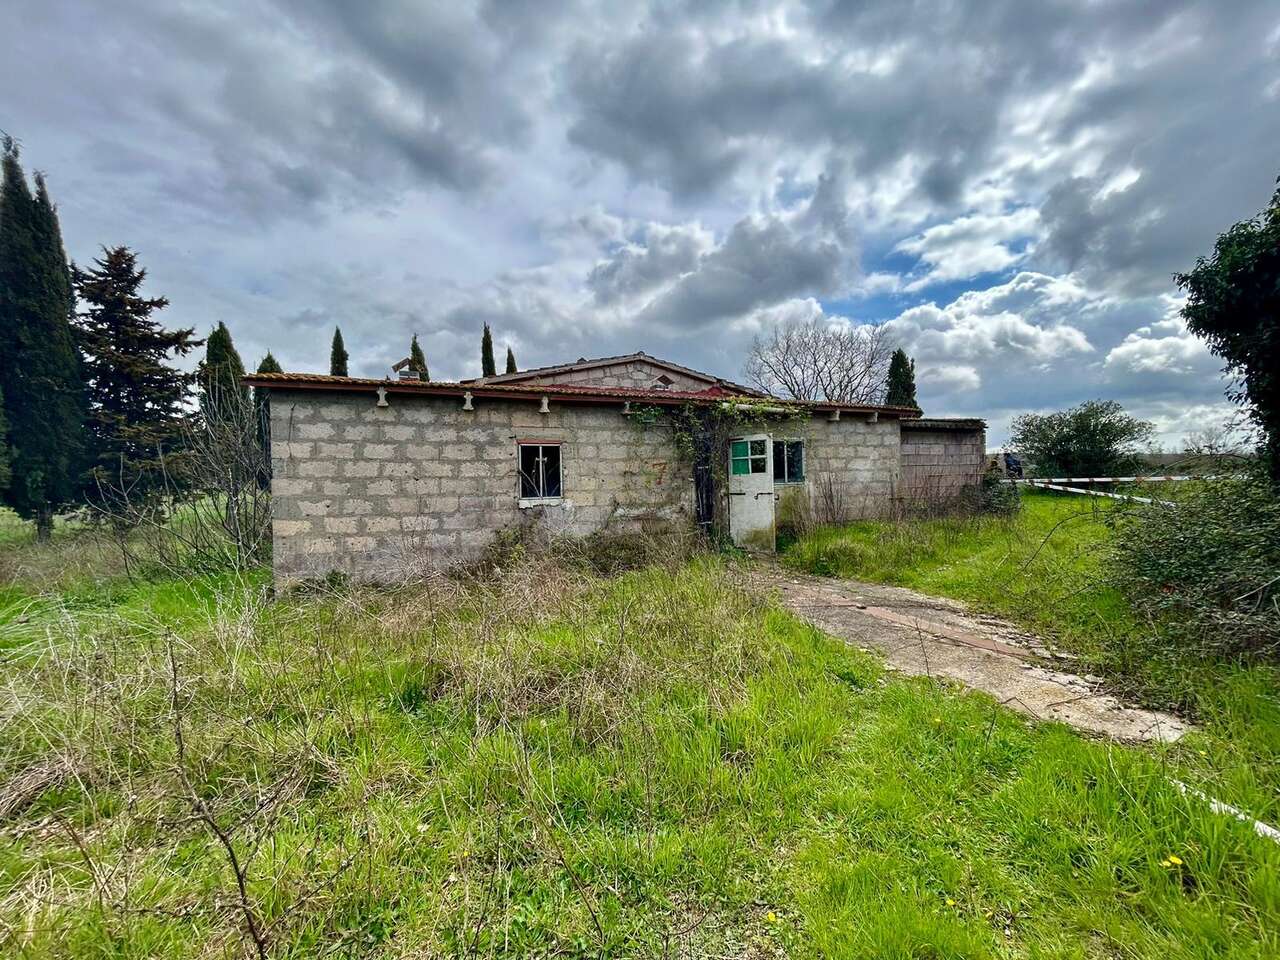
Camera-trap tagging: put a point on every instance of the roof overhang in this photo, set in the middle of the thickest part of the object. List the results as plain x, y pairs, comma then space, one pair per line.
561, 392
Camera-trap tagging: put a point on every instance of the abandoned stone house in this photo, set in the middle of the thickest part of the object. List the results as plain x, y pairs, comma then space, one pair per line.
372, 477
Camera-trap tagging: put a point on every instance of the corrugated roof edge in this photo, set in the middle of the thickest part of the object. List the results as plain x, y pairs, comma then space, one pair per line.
581, 393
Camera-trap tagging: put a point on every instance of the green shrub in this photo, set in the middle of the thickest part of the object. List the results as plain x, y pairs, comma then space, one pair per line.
998, 496
1206, 565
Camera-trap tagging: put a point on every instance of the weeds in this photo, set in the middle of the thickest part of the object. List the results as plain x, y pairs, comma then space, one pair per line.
546, 762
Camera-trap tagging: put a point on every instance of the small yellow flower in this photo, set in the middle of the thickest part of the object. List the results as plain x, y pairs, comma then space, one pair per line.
950, 902
1204, 753
771, 917
937, 719
1175, 860
1165, 863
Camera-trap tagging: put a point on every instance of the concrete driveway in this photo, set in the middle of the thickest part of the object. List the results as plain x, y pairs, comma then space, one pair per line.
930, 636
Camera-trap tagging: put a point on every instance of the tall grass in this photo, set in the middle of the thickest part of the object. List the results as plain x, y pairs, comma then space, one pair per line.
1044, 566
660, 764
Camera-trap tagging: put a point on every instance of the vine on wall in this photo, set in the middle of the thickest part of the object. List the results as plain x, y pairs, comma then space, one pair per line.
701, 433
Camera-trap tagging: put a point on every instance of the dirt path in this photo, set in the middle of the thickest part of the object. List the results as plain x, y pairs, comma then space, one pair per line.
923, 635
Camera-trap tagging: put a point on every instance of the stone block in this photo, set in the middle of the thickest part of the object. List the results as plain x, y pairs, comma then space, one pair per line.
291, 528
317, 468
341, 525
320, 430
336, 451
290, 486
378, 451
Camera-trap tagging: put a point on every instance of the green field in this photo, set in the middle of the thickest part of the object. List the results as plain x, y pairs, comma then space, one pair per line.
553, 763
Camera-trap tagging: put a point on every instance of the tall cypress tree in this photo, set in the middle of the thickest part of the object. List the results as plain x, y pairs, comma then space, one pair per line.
39, 367
902, 381
487, 366
262, 413
511, 361
418, 359
220, 375
137, 400
337, 356
5, 471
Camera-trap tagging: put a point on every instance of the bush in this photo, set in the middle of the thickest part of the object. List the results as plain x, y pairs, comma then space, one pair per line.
998, 496
1206, 566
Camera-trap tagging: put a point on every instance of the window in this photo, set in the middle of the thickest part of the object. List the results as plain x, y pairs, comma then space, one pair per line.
748, 456
539, 471
788, 461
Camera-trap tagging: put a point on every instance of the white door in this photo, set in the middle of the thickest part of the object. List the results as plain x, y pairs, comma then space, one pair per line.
751, 491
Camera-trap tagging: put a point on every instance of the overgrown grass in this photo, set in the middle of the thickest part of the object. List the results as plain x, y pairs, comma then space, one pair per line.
1043, 566
1046, 568
554, 764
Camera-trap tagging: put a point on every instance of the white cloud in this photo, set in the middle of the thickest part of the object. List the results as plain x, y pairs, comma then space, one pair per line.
970, 246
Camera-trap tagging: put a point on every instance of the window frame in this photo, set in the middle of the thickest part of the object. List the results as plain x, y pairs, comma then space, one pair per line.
751, 458
542, 499
786, 443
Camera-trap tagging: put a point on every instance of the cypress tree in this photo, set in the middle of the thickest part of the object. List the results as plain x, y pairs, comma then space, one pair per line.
902, 381
511, 361
220, 375
418, 359
487, 367
4, 448
262, 414
337, 356
39, 367
136, 399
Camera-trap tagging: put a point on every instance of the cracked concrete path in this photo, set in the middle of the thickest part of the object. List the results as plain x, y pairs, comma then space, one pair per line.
930, 636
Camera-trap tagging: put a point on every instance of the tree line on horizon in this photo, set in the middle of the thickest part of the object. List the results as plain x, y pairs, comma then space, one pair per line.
92, 403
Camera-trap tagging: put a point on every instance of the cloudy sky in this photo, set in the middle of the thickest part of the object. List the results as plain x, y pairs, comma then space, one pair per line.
1008, 185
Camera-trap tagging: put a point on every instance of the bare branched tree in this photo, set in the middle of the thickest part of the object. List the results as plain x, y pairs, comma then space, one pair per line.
216, 503
811, 360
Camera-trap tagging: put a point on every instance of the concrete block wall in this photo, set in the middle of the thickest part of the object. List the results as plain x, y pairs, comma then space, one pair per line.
634, 373
860, 456
378, 491
941, 464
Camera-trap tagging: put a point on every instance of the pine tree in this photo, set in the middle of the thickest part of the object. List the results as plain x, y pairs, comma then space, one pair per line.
418, 360
902, 381
487, 367
511, 361
39, 367
220, 376
136, 399
337, 356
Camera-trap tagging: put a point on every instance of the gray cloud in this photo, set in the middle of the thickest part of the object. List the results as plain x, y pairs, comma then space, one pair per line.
667, 176
658, 256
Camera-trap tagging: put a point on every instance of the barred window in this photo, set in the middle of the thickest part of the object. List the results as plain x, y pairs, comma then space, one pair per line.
539, 471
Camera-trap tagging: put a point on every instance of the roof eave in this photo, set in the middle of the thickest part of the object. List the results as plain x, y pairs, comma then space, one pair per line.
550, 390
